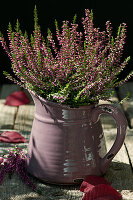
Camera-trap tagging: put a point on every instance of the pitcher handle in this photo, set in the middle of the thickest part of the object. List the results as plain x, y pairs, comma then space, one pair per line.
121, 125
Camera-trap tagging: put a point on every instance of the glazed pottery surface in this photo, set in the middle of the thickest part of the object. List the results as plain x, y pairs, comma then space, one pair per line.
67, 144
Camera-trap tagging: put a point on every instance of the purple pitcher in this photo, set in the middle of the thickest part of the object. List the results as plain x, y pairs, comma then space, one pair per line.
67, 144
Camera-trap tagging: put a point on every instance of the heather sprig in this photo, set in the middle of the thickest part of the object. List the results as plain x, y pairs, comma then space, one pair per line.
16, 161
78, 68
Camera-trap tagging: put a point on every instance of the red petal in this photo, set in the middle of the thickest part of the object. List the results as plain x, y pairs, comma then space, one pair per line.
12, 137
92, 181
103, 190
17, 98
97, 188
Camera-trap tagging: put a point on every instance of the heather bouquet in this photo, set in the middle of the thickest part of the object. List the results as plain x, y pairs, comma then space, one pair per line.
74, 68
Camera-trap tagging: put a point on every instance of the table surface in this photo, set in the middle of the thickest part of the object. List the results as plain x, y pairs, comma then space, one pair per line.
119, 174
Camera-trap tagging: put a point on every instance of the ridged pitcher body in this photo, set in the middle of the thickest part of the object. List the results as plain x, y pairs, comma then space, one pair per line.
67, 144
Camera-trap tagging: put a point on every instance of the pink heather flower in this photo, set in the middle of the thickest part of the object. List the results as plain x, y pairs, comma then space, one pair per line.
76, 68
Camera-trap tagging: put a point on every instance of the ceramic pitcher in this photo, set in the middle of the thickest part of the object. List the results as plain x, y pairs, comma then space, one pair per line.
67, 144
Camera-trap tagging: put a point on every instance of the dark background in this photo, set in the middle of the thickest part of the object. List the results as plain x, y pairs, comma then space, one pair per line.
117, 11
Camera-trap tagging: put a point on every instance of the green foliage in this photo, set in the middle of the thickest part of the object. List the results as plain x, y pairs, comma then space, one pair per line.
17, 28
112, 41
49, 32
39, 58
74, 18
124, 80
1, 35
63, 93
35, 19
79, 94
92, 15
32, 40
5, 73
122, 101
119, 30
56, 24
26, 35
10, 27
125, 61
125, 98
